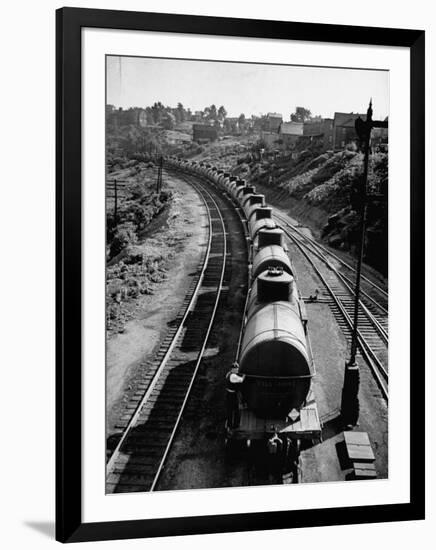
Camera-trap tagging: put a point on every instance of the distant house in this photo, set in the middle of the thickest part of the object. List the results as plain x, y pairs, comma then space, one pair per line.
177, 138
343, 129
319, 132
273, 121
204, 132
185, 126
289, 133
379, 137
270, 138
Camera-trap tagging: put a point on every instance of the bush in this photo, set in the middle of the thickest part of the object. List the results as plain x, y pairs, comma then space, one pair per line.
125, 235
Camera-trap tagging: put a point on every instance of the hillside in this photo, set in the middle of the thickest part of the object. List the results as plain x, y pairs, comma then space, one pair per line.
323, 192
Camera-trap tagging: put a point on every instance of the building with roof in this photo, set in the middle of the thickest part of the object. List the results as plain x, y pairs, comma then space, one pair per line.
271, 139
343, 129
289, 133
273, 121
204, 133
380, 137
319, 132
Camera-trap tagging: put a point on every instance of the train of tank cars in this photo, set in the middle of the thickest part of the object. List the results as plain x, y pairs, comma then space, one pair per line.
269, 389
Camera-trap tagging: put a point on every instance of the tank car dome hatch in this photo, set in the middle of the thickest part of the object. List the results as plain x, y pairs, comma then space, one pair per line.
257, 212
253, 202
245, 191
273, 285
257, 225
270, 236
275, 360
252, 198
235, 186
271, 256
223, 176
242, 199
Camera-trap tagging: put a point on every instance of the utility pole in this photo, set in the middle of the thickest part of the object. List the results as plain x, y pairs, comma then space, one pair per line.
159, 176
350, 390
116, 202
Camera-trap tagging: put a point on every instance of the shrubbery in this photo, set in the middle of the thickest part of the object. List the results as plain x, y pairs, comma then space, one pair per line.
137, 207
128, 279
124, 235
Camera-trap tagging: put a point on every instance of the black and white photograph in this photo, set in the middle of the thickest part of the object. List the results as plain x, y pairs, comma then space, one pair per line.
247, 318
217, 275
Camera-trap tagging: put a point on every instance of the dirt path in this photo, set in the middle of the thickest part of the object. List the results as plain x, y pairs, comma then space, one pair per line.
180, 239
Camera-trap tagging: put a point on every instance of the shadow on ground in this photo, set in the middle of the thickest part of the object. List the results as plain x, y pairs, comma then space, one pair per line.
46, 528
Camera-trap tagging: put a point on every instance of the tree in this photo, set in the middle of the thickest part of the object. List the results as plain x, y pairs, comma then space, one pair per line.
157, 110
222, 113
149, 115
228, 128
241, 119
181, 115
301, 114
211, 112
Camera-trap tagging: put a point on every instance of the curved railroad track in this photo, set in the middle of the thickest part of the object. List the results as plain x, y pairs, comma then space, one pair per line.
372, 332
138, 459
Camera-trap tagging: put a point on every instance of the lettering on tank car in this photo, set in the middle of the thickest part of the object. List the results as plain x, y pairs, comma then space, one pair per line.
274, 384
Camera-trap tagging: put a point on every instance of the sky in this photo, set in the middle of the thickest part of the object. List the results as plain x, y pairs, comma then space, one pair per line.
244, 87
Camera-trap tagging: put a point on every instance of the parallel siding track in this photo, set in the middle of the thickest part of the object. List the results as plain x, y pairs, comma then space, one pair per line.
373, 321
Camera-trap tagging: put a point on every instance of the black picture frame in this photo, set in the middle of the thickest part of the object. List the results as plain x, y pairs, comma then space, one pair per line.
69, 22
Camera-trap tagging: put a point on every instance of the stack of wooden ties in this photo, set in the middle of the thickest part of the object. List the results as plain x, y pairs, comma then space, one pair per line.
360, 454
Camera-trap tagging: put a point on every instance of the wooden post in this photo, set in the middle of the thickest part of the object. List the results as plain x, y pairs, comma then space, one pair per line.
116, 202
159, 176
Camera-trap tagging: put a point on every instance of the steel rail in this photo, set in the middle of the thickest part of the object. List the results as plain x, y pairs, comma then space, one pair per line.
167, 355
351, 268
238, 210
346, 281
380, 329
244, 223
377, 369
326, 251
203, 347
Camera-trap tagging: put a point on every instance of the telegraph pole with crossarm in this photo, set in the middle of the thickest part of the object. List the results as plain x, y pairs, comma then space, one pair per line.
350, 390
